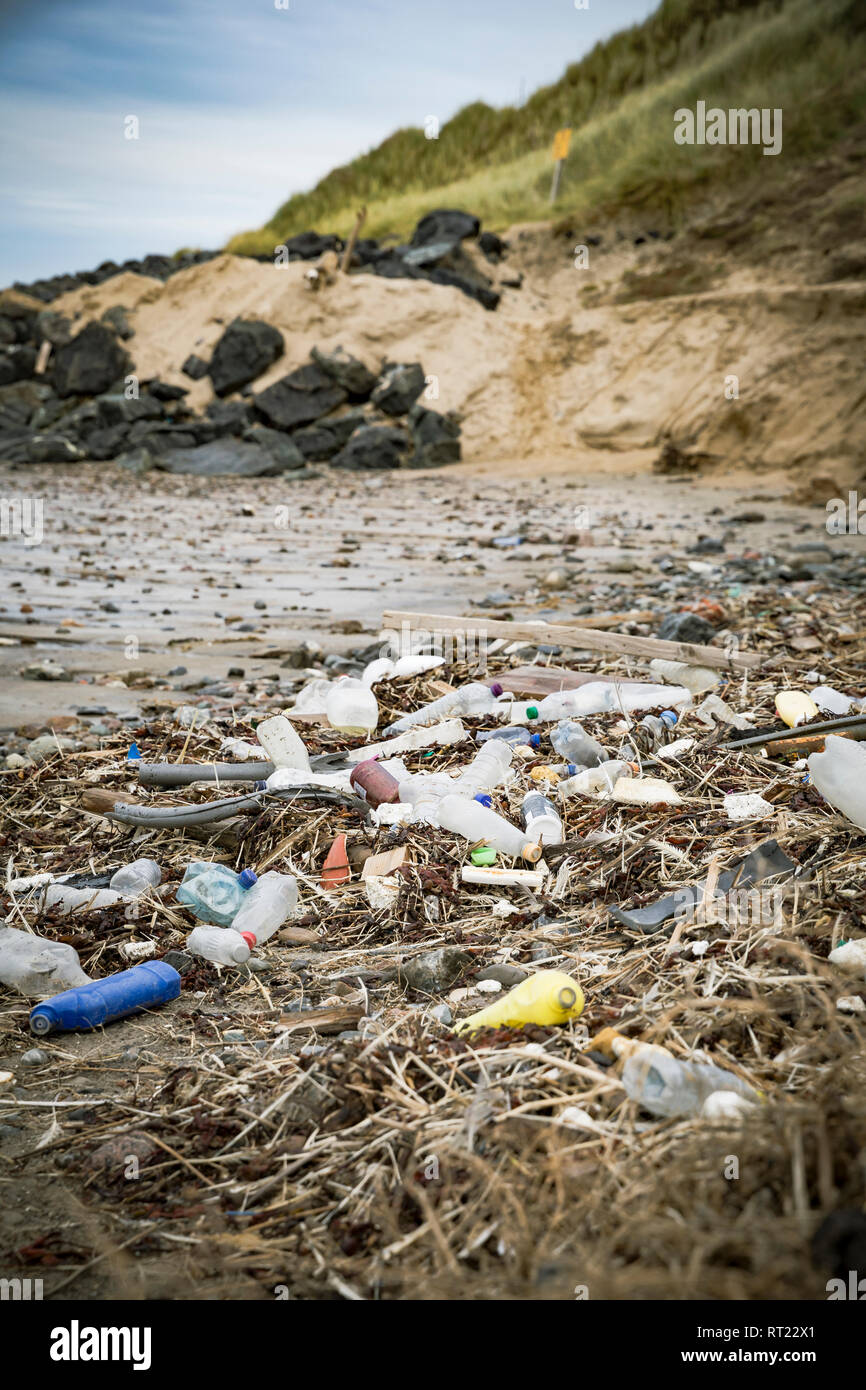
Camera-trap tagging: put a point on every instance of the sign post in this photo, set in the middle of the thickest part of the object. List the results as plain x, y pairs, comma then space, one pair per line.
561, 142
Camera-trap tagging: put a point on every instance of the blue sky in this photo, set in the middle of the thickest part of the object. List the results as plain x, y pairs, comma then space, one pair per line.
239, 104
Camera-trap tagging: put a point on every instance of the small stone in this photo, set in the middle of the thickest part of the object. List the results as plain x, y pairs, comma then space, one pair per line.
34, 1057
433, 971
442, 1014
48, 745
43, 671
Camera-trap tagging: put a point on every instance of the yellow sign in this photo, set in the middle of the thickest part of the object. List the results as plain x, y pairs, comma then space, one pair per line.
561, 142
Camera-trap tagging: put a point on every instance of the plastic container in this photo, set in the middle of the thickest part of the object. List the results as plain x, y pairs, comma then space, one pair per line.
352, 708
268, 904
603, 697
383, 668
137, 877
214, 893
489, 768
222, 945
479, 825
374, 783
102, 1001
282, 743
571, 741
663, 1084
472, 699
515, 735
548, 998
34, 966
839, 773
596, 781
70, 899
541, 819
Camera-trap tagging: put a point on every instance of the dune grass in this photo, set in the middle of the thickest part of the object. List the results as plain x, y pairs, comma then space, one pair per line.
808, 60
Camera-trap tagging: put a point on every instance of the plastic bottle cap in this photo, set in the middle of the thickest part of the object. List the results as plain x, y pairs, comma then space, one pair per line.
484, 854
571, 768
133, 755
247, 877
41, 1023
531, 711
496, 689
483, 798
669, 716
567, 998
531, 853
249, 937
535, 740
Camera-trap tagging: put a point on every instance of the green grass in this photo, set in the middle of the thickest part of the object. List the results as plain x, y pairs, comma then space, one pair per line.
807, 58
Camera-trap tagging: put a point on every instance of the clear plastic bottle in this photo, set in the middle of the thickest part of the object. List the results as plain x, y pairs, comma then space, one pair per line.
70, 899
663, 1084
352, 708
489, 768
603, 697
596, 781
136, 877
222, 945
541, 819
282, 743
839, 773
477, 823
473, 699
268, 904
35, 966
515, 735
214, 893
571, 741
423, 791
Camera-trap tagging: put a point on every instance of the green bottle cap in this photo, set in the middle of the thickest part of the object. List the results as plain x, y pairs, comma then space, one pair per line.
483, 855
532, 711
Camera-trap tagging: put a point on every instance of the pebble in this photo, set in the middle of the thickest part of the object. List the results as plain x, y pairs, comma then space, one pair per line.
34, 1057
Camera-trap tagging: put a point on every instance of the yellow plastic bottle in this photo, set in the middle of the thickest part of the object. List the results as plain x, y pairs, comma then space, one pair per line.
546, 998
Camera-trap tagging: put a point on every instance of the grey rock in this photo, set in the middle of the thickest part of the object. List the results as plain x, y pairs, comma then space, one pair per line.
399, 387
436, 438
195, 367
90, 363
686, 627
507, 975
299, 398
434, 971
445, 224
284, 452
223, 458
347, 371
116, 318
53, 448
246, 349
34, 1057
375, 446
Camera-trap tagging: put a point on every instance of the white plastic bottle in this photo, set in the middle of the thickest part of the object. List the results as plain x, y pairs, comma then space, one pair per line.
596, 781
541, 819
478, 823
663, 1084
839, 773
282, 743
223, 945
472, 699
137, 877
35, 966
268, 904
489, 768
604, 697
70, 899
571, 741
352, 708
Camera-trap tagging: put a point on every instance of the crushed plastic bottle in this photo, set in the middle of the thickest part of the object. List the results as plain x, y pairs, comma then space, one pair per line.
663, 1084
596, 781
548, 998
282, 744
830, 701
839, 773
602, 697
479, 825
222, 945
91, 1005
383, 668
571, 741
35, 966
470, 700
352, 708
70, 899
214, 893
137, 877
269, 903
541, 819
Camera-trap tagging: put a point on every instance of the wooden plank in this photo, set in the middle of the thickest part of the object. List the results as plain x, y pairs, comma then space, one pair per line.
565, 635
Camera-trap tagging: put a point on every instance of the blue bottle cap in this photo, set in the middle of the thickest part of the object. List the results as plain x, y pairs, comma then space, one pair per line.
535, 740
261, 786
571, 768
669, 716
133, 755
483, 798
247, 877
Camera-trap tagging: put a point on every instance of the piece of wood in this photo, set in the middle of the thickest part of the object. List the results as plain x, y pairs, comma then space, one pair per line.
333, 1020
350, 244
385, 863
560, 634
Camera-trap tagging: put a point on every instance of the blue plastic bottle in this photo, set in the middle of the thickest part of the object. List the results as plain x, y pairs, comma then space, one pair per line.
214, 893
102, 1001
